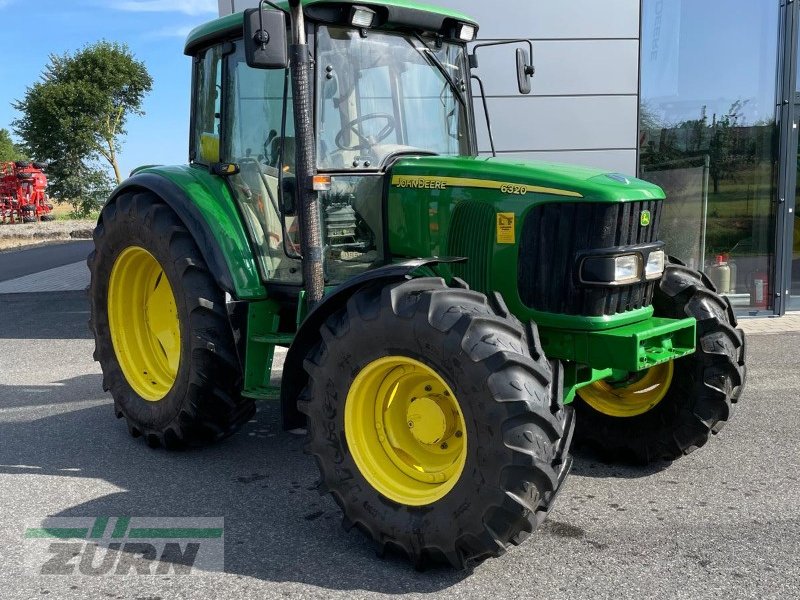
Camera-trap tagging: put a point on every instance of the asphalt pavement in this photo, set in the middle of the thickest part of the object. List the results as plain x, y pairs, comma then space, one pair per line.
721, 523
17, 263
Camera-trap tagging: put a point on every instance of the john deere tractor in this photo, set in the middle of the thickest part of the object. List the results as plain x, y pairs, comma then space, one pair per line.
451, 320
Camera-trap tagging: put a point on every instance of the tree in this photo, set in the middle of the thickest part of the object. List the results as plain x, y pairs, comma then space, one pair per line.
722, 148
9, 151
75, 116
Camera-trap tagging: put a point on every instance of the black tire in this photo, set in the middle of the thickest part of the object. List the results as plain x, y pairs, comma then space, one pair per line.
22, 164
204, 404
25, 176
518, 430
40, 165
29, 219
699, 400
47, 218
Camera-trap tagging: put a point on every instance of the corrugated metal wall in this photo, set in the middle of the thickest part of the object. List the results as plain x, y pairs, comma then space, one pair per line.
584, 107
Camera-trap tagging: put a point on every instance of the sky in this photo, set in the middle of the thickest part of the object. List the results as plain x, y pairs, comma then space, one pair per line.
709, 53
155, 31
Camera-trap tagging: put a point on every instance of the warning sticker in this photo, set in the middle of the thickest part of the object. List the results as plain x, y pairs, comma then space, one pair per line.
505, 228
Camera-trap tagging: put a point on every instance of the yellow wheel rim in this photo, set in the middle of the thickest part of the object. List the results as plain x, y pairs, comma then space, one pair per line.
143, 319
405, 430
630, 399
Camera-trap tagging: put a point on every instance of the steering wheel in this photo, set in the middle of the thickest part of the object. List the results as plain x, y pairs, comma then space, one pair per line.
364, 141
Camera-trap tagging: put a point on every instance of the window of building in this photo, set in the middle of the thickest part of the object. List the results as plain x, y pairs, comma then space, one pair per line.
708, 136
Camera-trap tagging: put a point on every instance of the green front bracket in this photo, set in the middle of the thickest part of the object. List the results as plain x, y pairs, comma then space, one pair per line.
595, 355
577, 376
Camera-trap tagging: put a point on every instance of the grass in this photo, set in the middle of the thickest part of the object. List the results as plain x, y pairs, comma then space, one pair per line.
63, 211
741, 209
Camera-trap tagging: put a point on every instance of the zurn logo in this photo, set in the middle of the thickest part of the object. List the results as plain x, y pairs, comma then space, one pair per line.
104, 546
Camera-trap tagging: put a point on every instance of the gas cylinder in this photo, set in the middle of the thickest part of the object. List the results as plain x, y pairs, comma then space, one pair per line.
720, 275
734, 274
759, 290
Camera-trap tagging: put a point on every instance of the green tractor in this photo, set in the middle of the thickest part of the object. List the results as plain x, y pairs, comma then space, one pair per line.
451, 320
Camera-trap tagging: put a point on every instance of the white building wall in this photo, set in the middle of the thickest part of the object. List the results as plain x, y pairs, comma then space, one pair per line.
584, 105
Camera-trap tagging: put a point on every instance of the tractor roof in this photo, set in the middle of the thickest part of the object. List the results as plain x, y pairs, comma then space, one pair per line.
398, 10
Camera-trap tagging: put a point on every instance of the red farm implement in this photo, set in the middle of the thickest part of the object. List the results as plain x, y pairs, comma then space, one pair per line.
23, 193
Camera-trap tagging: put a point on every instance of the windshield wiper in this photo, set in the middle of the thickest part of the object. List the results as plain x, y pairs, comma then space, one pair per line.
434, 60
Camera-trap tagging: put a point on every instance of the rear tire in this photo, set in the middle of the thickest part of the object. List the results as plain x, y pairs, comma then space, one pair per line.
517, 431
704, 385
203, 404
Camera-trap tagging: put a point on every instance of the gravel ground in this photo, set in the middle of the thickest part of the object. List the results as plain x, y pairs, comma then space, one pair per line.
29, 234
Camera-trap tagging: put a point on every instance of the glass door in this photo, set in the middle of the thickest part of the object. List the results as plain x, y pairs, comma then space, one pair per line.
792, 164
707, 136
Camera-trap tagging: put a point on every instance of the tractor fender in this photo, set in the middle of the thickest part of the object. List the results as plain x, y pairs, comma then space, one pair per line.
294, 376
219, 248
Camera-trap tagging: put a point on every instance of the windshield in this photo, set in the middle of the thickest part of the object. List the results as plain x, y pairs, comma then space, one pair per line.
385, 94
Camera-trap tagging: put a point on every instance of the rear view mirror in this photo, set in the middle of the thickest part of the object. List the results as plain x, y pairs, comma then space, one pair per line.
265, 39
525, 71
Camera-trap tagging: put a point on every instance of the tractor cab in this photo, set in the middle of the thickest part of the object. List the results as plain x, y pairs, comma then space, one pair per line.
381, 88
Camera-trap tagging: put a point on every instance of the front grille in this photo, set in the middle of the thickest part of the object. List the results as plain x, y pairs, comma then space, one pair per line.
553, 236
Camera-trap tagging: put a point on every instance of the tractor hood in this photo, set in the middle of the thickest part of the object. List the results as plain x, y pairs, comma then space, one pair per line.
517, 177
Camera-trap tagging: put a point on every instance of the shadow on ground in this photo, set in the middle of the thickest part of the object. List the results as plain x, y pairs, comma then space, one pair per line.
277, 527
588, 462
64, 316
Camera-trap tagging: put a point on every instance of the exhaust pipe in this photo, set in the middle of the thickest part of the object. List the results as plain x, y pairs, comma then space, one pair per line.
306, 159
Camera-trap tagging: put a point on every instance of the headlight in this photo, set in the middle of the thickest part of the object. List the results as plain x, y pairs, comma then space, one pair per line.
655, 265
627, 269
466, 33
361, 16
622, 266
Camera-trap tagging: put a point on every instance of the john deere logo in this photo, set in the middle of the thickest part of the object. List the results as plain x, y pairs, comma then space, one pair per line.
645, 218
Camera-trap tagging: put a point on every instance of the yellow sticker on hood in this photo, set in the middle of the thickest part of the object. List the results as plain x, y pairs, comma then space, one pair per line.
505, 228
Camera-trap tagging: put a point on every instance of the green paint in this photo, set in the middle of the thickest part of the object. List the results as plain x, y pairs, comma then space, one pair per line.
99, 528
420, 219
173, 533
263, 320
558, 321
630, 348
61, 533
226, 24
577, 376
121, 527
212, 197
430, 195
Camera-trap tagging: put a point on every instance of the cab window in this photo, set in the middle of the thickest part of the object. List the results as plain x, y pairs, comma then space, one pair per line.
207, 107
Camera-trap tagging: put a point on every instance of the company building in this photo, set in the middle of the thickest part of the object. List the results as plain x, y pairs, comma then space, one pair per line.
699, 96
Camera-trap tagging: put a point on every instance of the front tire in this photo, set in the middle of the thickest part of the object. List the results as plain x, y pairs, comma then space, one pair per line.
161, 330
460, 440
692, 398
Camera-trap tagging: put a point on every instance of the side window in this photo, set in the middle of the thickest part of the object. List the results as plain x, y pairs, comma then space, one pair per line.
255, 101
207, 107
254, 140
